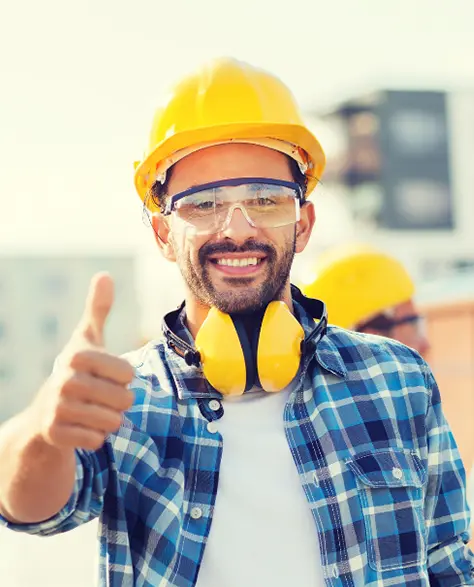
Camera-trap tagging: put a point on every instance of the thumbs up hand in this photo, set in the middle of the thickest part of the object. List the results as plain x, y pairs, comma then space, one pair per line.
84, 399
98, 305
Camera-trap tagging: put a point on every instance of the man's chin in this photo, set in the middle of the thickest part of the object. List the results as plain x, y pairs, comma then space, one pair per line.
239, 300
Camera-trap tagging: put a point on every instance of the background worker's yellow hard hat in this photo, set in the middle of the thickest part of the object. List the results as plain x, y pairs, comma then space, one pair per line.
357, 282
227, 100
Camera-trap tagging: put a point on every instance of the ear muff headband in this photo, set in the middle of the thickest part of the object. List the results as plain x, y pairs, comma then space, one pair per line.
247, 331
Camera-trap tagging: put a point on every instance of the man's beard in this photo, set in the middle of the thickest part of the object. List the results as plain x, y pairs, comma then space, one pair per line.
244, 296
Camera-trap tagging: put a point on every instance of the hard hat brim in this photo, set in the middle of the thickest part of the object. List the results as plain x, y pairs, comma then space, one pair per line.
292, 133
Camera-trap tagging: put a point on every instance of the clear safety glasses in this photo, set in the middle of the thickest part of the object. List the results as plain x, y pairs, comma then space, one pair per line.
265, 203
385, 323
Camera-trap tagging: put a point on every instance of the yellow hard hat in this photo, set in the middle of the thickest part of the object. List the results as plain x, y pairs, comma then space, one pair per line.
357, 282
227, 100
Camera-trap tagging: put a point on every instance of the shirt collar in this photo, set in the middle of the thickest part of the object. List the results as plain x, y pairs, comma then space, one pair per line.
190, 381
327, 353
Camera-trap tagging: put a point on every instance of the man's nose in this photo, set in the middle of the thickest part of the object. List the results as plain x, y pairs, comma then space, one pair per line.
423, 345
238, 227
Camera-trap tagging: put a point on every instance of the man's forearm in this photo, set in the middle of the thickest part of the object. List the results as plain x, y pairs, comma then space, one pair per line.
36, 479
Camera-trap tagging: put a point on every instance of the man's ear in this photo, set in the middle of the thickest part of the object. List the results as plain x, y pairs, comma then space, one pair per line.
304, 226
161, 230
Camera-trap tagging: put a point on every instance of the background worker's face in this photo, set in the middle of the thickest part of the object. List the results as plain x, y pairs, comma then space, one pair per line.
411, 333
244, 287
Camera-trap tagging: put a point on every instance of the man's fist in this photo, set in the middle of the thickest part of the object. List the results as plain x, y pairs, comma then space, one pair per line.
84, 399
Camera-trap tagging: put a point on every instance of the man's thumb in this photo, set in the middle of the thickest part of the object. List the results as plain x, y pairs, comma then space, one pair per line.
98, 305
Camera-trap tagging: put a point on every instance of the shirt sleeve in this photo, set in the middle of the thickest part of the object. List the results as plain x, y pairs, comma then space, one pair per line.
86, 501
450, 561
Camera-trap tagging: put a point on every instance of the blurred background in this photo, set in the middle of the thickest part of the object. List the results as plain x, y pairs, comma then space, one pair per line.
387, 87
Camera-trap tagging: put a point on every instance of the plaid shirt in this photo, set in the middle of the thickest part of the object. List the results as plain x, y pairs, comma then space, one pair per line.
375, 457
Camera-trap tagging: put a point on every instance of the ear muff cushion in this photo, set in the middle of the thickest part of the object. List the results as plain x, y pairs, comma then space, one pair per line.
279, 347
222, 359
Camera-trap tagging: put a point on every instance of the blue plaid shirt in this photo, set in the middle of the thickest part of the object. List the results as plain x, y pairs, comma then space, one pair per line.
375, 456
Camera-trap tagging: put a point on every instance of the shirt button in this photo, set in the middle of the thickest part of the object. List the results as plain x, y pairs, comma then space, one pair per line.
214, 405
196, 513
212, 427
397, 473
335, 572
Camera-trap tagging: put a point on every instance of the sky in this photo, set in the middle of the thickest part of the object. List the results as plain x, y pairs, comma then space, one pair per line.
80, 82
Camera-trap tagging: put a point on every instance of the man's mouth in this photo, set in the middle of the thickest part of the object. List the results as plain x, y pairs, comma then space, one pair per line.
238, 265
239, 262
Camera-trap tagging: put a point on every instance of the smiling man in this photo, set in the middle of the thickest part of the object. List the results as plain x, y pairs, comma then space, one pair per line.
251, 444
249, 198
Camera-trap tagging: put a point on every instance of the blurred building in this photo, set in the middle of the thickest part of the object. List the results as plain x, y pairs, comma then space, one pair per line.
400, 176
41, 301
448, 308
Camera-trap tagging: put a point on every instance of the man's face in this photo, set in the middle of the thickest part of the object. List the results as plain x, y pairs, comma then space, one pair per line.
208, 262
411, 333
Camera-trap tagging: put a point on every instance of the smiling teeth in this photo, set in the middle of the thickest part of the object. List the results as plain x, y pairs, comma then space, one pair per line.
238, 262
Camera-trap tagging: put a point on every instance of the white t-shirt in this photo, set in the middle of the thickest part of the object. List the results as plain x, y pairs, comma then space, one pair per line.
262, 533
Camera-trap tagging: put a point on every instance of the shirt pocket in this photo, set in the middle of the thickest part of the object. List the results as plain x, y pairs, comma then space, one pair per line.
390, 484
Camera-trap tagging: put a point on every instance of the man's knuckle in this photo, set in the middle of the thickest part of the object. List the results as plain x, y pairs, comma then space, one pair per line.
116, 421
122, 401
128, 399
93, 441
61, 410
52, 432
129, 372
67, 384
75, 360
110, 421
84, 358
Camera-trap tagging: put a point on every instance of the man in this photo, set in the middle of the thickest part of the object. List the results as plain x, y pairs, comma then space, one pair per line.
345, 474
368, 291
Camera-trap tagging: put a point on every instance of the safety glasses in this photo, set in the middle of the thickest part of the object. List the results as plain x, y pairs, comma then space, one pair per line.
384, 323
265, 203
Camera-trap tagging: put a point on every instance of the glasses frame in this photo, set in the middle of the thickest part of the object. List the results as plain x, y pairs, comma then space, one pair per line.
171, 204
384, 323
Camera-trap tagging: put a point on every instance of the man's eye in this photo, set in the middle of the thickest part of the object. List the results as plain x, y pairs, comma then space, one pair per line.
264, 201
205, 205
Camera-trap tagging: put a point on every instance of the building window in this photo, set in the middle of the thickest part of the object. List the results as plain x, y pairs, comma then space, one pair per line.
6, 373
49, 328
55, 284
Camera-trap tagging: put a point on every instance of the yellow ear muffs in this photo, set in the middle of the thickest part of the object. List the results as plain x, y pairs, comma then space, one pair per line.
221, 354
279, 347
224, 350
240, 351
